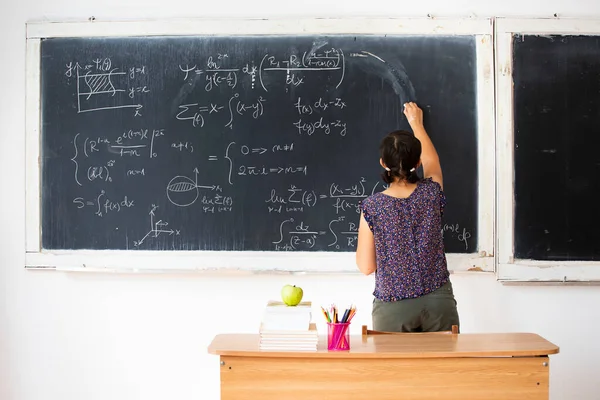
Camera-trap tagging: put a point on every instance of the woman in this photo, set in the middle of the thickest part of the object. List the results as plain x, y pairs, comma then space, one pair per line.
400, 236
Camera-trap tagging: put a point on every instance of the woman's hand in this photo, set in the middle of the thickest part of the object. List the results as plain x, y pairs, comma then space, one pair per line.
429, 157
413, 114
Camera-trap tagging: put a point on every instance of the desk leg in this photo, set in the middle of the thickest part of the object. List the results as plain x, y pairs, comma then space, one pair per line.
501, 378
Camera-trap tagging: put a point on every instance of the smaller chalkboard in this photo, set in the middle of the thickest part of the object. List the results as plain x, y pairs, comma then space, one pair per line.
556, 142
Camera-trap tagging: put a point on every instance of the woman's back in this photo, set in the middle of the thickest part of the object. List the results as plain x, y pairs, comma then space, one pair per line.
408, 238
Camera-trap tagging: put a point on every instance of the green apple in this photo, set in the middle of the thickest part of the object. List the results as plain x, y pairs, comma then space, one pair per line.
291, 295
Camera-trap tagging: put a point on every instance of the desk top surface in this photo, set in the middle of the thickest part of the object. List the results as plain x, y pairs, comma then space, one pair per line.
413, 345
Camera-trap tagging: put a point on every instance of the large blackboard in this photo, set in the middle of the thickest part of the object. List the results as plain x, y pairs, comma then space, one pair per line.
243, 143
556, 142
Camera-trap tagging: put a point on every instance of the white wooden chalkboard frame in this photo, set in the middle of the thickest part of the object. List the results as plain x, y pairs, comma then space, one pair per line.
510, 269
294, 262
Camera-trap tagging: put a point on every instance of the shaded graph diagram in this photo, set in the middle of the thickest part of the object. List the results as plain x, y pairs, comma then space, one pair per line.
100, 91
183, 191
100, 86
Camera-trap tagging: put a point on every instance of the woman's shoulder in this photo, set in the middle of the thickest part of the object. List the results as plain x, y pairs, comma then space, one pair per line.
431, 191
372, 200
430, 184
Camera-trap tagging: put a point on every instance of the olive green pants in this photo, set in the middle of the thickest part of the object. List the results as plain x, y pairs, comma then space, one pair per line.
435, 311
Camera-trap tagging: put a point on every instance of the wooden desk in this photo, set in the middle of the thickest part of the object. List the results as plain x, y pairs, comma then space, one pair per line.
415, 366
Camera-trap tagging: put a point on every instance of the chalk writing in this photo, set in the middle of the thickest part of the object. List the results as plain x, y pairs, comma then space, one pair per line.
103, 204
183, 191
307, 108
100, 86
461, 234
317, 60
217, 203
157, 228
336, 126
240, 148
129, 144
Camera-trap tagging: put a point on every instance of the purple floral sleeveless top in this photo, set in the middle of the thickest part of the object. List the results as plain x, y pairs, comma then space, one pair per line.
409, 246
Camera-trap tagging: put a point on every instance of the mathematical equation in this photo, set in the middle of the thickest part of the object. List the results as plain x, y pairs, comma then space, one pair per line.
218, 71
103, 205
340, 233
342, 199
128, 144
196, 113
298, 236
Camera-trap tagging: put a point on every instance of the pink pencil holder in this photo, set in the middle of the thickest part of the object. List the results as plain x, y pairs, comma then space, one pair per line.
338, 336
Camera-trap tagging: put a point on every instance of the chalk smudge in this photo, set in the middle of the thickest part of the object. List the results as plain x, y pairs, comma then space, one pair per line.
392, 71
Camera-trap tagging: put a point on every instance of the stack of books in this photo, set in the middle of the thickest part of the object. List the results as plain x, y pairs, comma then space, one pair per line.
288, 328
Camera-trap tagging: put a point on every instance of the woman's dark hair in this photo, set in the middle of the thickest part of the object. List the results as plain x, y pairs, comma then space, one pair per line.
400, 151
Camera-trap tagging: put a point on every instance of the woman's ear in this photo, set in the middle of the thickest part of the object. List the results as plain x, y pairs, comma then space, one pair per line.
382, 164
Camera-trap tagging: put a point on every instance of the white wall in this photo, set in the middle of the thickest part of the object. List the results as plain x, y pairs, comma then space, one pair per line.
125, 337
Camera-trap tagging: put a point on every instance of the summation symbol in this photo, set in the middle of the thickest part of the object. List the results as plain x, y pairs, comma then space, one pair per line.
156, 228
183, 191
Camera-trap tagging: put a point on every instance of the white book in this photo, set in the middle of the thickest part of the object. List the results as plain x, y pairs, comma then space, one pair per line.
288, 348
286, 325
309, 330
280, 317
288, 343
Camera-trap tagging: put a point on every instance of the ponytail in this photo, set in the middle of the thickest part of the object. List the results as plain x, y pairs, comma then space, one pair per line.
392, 174
412, 177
